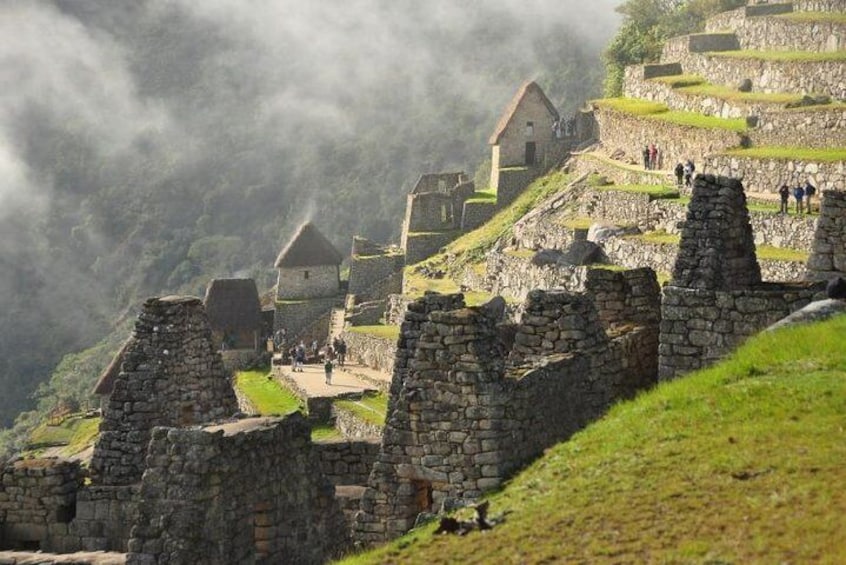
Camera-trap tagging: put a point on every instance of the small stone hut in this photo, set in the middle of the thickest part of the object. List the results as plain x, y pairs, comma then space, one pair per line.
524, 133
234, 312
309, 266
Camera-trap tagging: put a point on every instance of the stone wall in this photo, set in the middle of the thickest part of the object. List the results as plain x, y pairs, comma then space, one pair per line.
509, 183
347, 462
460, 421
515, 276
476, 213
819, 5
618, 172
828, 257
767, 175
420, 246
370, 350
700, 327
246, 492
676, 143
716, 298
353, 427
396, 308
635, 86
171, 375
296, 316
104, 518
822, 126
366, 271
37, 503
303, 283
789, 35
818, 77
431, 211
512, 140
604, 204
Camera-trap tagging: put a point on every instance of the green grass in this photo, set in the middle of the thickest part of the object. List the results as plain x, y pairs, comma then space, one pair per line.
266, 394
783, 56
727, 93
325, 433
815, 17
769, 253
471, 247
741, 463
371, 408
380, 331
657, 111
578, 223
75, 433
656, 191
487, 196
792, 153
430, 233
680, 81
658, 237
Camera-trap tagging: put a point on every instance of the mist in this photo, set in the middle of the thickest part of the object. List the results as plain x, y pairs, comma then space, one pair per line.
149, 145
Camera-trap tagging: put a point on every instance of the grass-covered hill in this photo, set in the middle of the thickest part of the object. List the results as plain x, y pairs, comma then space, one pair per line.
740, 463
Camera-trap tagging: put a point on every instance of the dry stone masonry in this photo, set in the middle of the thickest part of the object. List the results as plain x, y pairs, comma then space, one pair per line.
172, 375
467, 409
244, 492
829, 253
716, 298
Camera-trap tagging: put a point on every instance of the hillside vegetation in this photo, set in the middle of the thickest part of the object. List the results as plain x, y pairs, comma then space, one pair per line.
740, 463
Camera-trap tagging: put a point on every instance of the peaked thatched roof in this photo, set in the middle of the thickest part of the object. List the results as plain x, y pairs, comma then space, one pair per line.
233, 305
530, 87
106, 382
308, 248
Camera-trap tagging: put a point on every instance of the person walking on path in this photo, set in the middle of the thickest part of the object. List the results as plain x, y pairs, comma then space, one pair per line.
342, 352
679, 174
646, 157
327, 368
799, 194
784, 194
810, 191
300, 357
689, 168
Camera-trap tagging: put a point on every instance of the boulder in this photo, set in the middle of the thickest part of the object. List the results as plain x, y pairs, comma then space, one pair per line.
598, 233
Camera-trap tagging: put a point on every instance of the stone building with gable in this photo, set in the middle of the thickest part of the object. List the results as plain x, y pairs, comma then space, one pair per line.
525, 144
234, 313
309, 285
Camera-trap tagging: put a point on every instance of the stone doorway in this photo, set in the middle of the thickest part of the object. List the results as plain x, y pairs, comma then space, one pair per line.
531, 151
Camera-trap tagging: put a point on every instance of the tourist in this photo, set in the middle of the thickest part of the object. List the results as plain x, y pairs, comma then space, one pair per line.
689, 168
810, 191
653, 157
556, 128
646, 157
300, 356
784, 194
679, 174
327, 369
342, 352
799, 194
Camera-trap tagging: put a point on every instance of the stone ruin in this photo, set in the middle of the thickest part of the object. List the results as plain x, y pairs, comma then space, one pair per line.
474, 400
171, 376
828, 259
174, 478
716, 298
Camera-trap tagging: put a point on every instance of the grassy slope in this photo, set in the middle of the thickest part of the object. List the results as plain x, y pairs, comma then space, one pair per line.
658, 111
265, 393
371, 408
741, 463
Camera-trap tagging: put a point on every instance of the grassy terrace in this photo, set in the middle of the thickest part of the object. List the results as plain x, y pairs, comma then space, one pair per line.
380, 331
487, 196
741, 463
657, 111
656, 191
266, 394
815, 17
370, 408
608, 161
783, 56
74, 434
764, 252
792, 153
696, 85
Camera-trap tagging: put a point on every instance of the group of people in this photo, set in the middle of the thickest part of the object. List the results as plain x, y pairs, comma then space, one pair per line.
651, 157
803, 194
563, 128
684, 173
334, 351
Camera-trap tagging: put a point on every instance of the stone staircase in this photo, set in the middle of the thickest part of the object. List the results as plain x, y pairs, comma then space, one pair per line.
336, 323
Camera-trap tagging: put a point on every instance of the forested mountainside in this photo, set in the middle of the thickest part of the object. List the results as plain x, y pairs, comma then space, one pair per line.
148, 146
